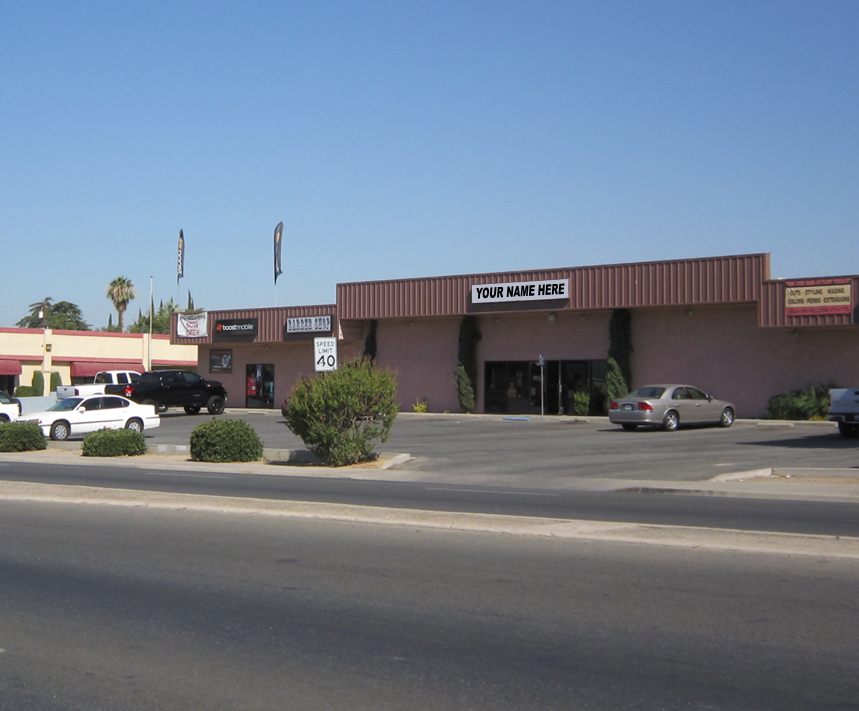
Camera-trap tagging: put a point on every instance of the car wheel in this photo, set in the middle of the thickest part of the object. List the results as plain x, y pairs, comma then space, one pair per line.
135, 425
60, 430
727, 418
671, 421
4, 418
848, 429
192, 409
629, 427
215, 406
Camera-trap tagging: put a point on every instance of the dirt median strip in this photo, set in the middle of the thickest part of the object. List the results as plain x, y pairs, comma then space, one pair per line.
646, 534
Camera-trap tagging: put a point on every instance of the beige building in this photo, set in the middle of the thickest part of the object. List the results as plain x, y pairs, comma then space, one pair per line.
78, 355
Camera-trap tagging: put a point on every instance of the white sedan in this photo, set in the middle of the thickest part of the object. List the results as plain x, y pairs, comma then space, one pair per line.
10, 408
74, 416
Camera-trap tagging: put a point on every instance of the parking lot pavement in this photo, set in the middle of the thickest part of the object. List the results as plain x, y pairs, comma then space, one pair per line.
564, 448
793, 460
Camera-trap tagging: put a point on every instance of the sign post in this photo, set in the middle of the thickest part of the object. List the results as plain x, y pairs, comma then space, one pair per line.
325, 354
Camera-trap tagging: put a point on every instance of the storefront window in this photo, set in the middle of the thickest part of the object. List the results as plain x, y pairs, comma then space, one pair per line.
259, 387
514, 387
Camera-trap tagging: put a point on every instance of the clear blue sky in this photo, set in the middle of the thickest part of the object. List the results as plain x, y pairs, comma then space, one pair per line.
408, 139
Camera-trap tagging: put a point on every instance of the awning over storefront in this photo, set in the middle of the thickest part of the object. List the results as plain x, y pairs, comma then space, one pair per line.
89, 369
10, 367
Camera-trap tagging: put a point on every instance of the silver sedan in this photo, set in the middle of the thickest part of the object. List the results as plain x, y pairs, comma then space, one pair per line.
668, 406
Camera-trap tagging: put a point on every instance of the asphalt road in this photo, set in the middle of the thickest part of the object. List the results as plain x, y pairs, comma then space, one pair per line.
128, 608
753, 514
559, 448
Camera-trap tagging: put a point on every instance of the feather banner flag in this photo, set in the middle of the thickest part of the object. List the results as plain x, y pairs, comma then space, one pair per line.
180, 261
278, 239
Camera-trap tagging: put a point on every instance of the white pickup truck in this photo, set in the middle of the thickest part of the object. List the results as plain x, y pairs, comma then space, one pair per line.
111, 382
844, 409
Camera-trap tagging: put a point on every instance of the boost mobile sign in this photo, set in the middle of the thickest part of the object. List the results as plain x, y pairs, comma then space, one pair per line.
520, 291
236, 329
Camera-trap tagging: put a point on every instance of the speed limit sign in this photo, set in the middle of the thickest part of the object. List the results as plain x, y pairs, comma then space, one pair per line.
325, 353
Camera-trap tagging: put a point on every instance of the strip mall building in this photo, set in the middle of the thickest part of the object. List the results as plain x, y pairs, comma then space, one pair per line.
720, 323
78, 355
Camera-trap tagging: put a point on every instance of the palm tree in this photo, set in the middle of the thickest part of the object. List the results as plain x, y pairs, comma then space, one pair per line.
121, 291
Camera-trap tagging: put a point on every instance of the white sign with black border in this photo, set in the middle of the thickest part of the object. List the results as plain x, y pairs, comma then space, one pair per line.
520, 291
307, 324
325, 354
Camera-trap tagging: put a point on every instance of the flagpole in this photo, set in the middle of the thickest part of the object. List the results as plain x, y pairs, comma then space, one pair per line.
278, 237
149, 342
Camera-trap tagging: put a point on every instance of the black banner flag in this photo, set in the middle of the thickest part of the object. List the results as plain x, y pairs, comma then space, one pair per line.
180, 263
278, 238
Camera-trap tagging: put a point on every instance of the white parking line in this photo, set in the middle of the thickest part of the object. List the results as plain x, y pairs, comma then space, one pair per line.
489, 491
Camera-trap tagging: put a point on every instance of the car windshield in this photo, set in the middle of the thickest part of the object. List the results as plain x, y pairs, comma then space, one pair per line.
649, 391
69, 403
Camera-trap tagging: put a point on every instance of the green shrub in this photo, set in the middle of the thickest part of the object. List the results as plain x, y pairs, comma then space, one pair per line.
56, 381
420, 406
616, 384
581, 403
225, 441
469, 336
38, 383
342, 414
25, 391
809, 404
113, 443
620, 342
464, 389
21, 437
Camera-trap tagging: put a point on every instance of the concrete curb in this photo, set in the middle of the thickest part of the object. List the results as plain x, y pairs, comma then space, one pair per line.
274, 461
713, 539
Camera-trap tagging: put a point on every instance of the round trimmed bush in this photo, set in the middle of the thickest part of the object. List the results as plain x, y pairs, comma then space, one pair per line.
113, 443
21, 437
341, 415
225, 441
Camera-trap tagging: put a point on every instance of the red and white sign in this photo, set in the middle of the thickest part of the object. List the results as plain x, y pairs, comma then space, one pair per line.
818, 296
192, 325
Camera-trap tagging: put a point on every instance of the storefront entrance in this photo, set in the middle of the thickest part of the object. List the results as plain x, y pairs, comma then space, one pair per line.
527, 388
259, 392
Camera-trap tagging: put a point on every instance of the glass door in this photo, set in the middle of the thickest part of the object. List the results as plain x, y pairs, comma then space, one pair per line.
259, 385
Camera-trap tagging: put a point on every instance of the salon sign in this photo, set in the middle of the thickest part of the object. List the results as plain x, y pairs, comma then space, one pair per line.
520, 291
818, 296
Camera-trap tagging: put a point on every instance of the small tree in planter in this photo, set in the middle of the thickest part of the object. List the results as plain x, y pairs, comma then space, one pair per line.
464, 389
615, 382
341, 415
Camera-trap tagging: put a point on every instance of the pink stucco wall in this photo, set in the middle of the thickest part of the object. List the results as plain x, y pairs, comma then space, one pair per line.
290, 361
723, 351
720, 349
424, 351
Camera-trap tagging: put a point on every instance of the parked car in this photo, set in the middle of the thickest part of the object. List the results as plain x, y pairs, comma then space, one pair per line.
844, 409
178, 388
75, 416
10, 407
668, 406
106, 382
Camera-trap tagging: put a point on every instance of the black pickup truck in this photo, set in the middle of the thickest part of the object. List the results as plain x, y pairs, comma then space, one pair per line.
178, 388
